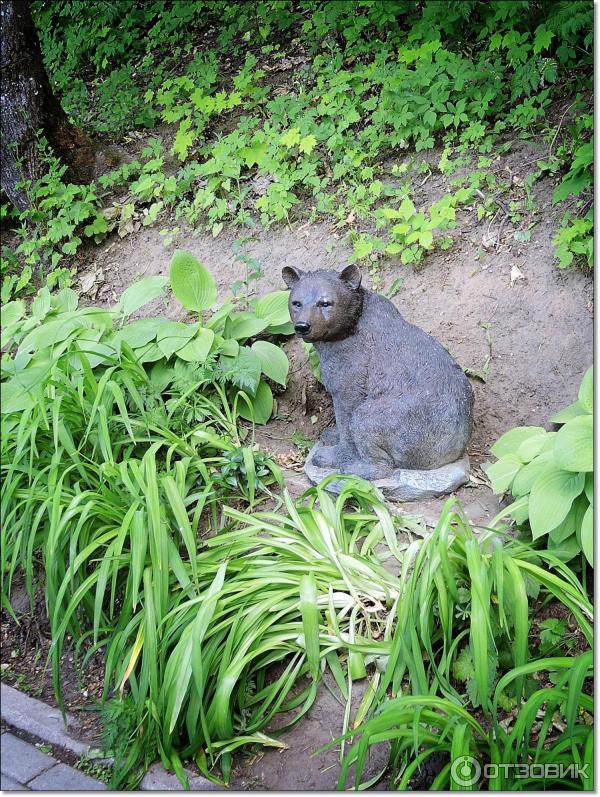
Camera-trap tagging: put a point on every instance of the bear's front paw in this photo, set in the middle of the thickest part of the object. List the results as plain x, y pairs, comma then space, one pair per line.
329, 436
331, 456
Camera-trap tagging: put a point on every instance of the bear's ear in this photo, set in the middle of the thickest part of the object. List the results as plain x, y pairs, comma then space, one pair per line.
291, 275
351, 276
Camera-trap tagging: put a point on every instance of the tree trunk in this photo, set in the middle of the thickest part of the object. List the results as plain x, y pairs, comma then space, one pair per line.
27, 104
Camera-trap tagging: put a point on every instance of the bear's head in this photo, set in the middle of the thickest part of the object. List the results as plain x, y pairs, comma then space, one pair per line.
324, 305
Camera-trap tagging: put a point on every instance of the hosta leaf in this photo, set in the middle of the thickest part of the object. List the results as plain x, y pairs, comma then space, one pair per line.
551, 498
274, 308
280, 329
589, 487
54, 331
197, 349
273, 361
149, 353
509, 443
15, 398
244, 325
173, 336
140, 293
566, 549
574, 444
502, 473
161, 375
140, 332
12, 312
41, 305
572, 411
229, 348
572, 522
261, 405
519, 509
191, 282
530, 448
586, 390
587, 534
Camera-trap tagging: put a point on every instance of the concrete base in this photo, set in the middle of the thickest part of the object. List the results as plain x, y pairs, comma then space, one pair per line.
403, 485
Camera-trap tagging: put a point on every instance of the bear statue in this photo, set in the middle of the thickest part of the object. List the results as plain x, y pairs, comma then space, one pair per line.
401, 402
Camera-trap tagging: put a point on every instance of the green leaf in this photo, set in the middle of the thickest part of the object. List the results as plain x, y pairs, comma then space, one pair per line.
530, 473
587, 535
551, 498
243, 370
542, 40
393, 249
139, 332
509, 443
572, 411
97, 227
191, 282
566, 549
11, 313
173, 336
198, 347
307, 144
502, 473
586, 391
572, 521
273, 361
310, 623
140, 293
183, 139
274, 308
426, 239
291, 138
463, 669
589, 487
254, 155
532, 446
261, 405
241, 326
574, 444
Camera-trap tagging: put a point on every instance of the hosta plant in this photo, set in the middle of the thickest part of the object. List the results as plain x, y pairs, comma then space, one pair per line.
218, 350
550, 476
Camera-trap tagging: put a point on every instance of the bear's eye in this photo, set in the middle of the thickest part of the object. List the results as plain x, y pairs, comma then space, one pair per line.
297, 304
324, 303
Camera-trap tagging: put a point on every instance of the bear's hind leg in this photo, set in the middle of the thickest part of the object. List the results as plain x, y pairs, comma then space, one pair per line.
388, 435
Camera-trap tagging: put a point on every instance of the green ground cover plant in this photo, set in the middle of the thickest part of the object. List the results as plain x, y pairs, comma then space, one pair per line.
235, 147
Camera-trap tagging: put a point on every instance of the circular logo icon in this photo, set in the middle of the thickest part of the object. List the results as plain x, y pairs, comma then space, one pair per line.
465, 771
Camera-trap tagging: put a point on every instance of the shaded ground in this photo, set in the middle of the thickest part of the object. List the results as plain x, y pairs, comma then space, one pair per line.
540, 325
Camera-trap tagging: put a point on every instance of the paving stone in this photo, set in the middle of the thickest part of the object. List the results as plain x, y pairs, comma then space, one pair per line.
21, 760
34, 717
10, 784
64, 778
158, 779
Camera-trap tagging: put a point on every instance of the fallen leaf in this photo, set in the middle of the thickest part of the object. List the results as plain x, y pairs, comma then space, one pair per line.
516, 274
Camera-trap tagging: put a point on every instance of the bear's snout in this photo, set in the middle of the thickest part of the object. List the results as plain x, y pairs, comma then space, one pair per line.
302, 327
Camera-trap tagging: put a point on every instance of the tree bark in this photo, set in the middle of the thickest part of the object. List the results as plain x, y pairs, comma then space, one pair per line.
28, 105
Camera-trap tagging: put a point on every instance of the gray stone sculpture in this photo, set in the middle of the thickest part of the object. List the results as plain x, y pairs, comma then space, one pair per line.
403, 406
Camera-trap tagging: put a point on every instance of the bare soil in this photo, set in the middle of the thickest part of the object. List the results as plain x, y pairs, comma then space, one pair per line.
541, 345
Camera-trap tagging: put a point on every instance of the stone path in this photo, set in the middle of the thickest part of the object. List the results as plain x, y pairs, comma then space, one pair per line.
25, 768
